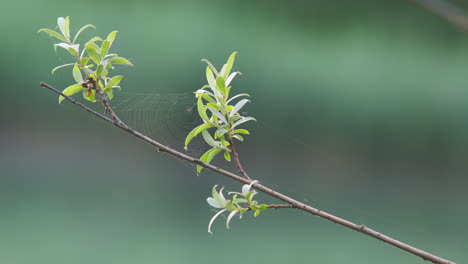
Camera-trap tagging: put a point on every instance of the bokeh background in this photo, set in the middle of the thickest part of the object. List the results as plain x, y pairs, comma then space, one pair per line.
362, 109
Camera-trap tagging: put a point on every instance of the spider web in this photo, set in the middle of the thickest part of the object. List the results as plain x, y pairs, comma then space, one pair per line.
167, 118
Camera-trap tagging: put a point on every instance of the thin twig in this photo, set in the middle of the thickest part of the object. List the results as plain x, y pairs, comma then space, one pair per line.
292, 202
447, 11
107, 108
237, 160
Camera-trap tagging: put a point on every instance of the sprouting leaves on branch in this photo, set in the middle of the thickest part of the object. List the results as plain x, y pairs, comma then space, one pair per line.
93, 61
220, 112
239, 203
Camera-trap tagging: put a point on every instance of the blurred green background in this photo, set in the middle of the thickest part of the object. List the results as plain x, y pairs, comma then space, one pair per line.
362, 109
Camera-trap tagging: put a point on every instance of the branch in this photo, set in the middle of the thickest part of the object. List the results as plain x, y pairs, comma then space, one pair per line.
237, 161
447, 11
292, 203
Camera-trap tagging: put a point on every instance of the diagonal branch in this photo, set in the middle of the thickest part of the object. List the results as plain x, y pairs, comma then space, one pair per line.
292, 202
447, 11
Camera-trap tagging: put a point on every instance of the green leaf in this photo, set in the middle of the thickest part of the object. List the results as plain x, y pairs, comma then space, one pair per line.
84, 61
209, 139
241, 131
93, 53
105, 48
119, 60
208, 157
77, 74
210, 78
229, 65
114, 81
81, 30
111, 37
227, 155
202, 110
64, 26
238, 137
207, 98
237, 96
238, 107
224, 142
110, 94
99, 69
53, 34
74, 50
94, 39
232, 119
243, 120
71, 90
211, 66
61, 66
221, 132
257, 212
217, 114
195, 132
91, 97
221, 85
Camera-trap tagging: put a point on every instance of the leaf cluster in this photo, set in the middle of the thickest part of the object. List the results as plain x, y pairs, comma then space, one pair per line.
94, 61
219, 113
239, 203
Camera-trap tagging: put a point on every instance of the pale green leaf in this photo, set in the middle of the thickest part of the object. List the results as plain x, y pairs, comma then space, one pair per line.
238, 137
221, 132
243, 120
231, 77
64, 26
238, 107
53, 34
237, 96
61, 66
231, 215
209, 139
218, 196
71, 90
217, 114
212, 220
81, 30
211, 201
77, 74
